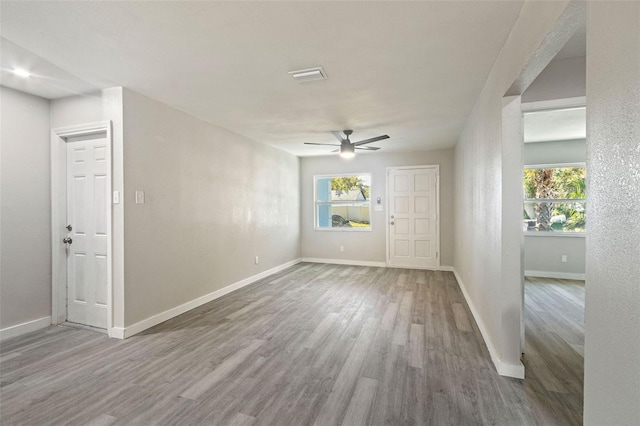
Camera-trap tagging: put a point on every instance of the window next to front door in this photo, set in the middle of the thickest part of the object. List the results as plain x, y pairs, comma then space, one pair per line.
342, 202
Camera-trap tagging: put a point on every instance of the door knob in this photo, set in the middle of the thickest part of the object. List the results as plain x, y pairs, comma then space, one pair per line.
392, 216
67, 240
392, 222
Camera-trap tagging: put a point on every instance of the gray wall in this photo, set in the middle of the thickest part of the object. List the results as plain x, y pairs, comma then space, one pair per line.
214, 201
478, 189
562, 78
25, 265
543, 254
371, 246
612, 317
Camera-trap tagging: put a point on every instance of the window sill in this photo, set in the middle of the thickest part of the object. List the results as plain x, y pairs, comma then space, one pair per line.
555, 234
345, 229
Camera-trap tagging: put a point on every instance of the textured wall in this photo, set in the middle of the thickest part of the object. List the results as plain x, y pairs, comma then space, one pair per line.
371, 246
478, 191
25, 265
612, 318
214, 201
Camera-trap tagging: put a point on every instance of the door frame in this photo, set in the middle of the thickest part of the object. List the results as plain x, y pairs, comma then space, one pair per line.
435, 167
59, 214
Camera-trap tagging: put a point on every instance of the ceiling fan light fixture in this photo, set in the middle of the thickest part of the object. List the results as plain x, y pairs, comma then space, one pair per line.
347, 151
311, 74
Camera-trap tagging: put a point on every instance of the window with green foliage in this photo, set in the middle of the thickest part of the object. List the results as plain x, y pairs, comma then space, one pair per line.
343, 202
555, 199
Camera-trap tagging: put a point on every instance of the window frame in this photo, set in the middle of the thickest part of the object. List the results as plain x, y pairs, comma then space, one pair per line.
316, 203
572, 234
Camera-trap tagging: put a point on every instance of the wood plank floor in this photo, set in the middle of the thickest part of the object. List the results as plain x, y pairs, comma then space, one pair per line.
314, 344
554, 347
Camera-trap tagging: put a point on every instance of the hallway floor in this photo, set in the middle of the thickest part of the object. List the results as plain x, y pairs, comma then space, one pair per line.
554, 346
314, 344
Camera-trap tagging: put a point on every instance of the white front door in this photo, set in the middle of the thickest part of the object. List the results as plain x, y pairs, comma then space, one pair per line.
87, 203
413, 222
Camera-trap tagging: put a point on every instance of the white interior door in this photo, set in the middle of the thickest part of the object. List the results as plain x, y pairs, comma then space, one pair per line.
413, 222
87, 203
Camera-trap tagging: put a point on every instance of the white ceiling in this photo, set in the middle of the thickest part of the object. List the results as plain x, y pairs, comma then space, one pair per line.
412, 70
555, 125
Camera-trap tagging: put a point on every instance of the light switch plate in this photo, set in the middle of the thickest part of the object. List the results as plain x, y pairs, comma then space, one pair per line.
378, 208
139, 197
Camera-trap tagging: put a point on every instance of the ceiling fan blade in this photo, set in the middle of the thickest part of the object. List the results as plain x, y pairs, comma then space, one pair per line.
377, 138
330, 144
367, 148
338, 135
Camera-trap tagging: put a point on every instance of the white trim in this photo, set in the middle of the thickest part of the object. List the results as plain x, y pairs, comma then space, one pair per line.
123, 333
117, 332
557, 275
565, 103
58, 216
556, 165
555, 234
504, 369
24, 328
345, 229
386, 186
422, 268
370, 263
344, 262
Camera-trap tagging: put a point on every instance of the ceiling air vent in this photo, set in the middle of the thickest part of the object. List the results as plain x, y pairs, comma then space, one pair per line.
311, 74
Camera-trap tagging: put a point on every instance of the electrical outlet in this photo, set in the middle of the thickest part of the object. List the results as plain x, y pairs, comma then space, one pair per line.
257, 260
564, 258
341, 248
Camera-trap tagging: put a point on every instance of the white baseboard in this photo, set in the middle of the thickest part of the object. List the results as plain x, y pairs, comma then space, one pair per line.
116, 332
123, 333
557, 275
344, 262
370, 263
24, 328
504, 369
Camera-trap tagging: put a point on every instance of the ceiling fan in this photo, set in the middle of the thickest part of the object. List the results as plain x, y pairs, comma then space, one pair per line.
347, 148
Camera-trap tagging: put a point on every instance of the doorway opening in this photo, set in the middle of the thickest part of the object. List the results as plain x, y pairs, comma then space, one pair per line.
554, 222
555, 218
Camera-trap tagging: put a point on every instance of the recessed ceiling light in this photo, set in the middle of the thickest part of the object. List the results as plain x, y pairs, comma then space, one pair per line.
21, 72
311, 74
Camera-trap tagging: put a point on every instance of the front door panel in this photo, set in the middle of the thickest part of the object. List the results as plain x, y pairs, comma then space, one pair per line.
413, 218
